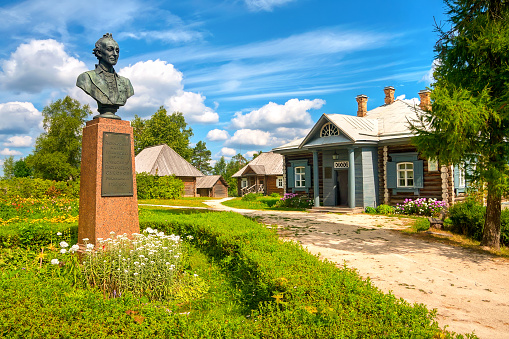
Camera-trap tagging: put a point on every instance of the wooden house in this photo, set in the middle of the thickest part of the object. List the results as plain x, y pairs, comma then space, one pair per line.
212, 186
162, 160
368, 159
263, 174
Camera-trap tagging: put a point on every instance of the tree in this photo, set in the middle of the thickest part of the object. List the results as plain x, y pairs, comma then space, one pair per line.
255, 155
57, 153
469, 119
21, 169
201, 158
162, 128
220, 167
233, 166
8, 167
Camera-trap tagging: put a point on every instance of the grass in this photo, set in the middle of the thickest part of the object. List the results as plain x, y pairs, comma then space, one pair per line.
261, 203
187, 201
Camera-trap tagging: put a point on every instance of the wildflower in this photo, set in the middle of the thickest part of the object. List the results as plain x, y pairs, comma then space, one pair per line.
112, 233
63, 251
63, 244
190, 237
59, 233
74, 248
90, 246
135, 273
85, 239
195, 275
55, 261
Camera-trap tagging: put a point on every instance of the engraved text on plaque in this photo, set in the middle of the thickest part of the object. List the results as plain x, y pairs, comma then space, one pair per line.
117, 171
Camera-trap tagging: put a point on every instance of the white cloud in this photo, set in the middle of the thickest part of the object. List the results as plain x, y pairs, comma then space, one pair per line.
38, 65
294, 113
251, 153
19, 141
7, 151
411, 102
227, 152
173, 35
265, 5
19, 118
158, 83
252, 138
428, 78
217, 135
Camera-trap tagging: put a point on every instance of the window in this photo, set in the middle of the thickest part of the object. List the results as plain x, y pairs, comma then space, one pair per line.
328, 130
244, 182
461, 176
432, 165
300, 176
405, 174
279, 182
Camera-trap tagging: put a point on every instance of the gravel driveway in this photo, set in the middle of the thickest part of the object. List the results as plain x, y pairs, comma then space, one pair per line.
469, 289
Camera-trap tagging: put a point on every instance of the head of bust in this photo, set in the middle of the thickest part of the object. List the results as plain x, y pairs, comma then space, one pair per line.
106, 50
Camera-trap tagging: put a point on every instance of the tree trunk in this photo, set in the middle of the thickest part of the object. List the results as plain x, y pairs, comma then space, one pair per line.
491, 233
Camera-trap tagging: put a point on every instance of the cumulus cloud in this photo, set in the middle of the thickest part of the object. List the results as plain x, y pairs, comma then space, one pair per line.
38, 65
19, 141
158, 83
7, 151
252, 138
217, 135
227, 152
265, 5
411, 102
294, 113
19, 118
428, 78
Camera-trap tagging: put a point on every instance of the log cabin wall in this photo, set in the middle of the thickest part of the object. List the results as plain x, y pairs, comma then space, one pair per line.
189, 186
219, 190
271, 185
432, 187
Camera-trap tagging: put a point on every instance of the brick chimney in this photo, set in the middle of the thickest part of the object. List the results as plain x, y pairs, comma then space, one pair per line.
389, 95
362, 101
425, 104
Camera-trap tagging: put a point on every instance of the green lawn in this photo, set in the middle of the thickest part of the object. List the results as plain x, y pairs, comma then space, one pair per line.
188, 201
261, 203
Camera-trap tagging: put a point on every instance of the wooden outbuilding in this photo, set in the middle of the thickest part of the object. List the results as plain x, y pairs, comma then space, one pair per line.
263, 174
212, 186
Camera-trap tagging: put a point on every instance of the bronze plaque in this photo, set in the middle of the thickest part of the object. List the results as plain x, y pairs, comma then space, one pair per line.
117, 174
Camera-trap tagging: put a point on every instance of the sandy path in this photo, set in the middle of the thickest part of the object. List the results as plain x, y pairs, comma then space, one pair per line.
470, 290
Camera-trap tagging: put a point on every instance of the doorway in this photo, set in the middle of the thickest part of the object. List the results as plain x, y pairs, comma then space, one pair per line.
341, 183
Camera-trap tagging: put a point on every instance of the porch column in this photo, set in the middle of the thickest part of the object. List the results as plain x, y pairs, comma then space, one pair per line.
316, 186
351, 178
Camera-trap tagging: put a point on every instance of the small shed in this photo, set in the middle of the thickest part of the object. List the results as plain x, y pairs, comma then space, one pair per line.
212, 186
162, 160
263, 174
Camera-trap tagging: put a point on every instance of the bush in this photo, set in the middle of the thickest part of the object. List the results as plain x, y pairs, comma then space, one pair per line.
158, 187
385, 209
421, 206
370, 210
251, 196
275, 195
293, 200
38, 188
422, 225
468, 218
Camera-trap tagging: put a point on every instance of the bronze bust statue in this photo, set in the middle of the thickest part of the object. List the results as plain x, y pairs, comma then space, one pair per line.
103, 84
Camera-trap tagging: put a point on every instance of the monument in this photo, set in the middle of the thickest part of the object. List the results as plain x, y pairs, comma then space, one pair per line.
108, 200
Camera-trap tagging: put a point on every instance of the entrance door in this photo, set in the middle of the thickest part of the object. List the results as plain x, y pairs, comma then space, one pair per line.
341, 187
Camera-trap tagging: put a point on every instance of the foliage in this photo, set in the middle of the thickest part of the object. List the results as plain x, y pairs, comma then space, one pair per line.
38, 188
150, 265
370, 210
467, 218
421, 206
158, 187
275, 195
162, 128
21, 169
8, 167
384, 209
201, 158
422, 224
181, 201
251, 196
220, 167
469, 120
57, 153
260, 202
233, 166
293, 200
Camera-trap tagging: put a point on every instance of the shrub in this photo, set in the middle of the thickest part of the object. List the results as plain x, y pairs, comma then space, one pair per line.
158, 187
422, 225
421, 206
468, 218
251, 196
38, 188
293, 200
275, 195
385, 209
370, 210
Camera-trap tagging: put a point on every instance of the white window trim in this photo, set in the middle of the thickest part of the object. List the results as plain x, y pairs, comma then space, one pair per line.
329, 129
300, 178
279, 181
398, 175
243, 182
461, 176
432, 164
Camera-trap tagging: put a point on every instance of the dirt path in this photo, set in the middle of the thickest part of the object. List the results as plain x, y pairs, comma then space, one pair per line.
470, 290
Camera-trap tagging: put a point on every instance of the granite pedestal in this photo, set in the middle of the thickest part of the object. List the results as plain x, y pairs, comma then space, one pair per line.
108, 200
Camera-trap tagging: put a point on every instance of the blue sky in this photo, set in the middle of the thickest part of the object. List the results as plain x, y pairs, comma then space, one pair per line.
248, 75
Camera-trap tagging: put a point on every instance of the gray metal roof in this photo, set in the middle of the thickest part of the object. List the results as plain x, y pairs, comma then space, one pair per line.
268, 163
162, 160
209, 181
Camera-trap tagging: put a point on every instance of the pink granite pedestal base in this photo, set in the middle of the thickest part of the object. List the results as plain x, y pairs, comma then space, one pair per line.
99, 215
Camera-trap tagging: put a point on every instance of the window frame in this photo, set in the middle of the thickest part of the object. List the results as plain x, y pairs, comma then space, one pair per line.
462, 183
279, 181
300, 178
406, 177
435, 165
242, 181
329, 130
